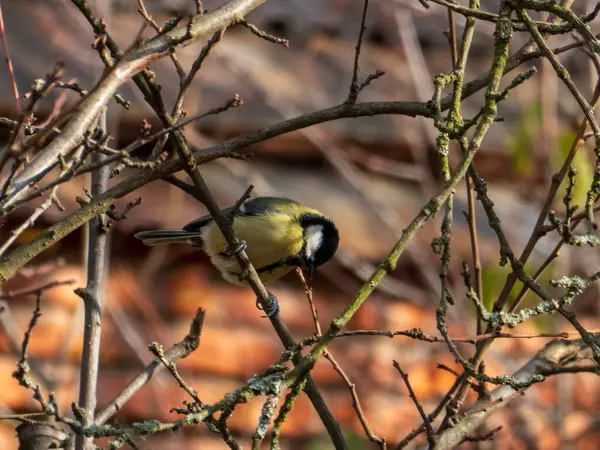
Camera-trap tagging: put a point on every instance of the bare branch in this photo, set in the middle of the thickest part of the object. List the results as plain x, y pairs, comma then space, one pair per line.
29, 222
556, 357
263, 35
92, 296
24, 253
431, 438
380, 441
21, 374
186, 81
132, 63
354, 87
11, 71
179, 351
11, 295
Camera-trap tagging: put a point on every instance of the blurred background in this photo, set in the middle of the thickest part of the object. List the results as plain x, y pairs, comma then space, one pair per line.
371, 175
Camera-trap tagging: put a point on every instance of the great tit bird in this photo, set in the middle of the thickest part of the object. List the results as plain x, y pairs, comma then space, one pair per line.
279, 234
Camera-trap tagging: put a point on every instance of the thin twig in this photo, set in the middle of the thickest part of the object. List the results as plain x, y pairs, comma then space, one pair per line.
539, 229
11, 71
452, 38
39, 89
13, 171
431, 438
29, 222
159, 30
26, 417
75, 87
11, 295
417, 334
356, 402
179, 351
147, 17
587, 109
186, 81
354, 86
21, 374
15, 338
157, 350
309, 296
263, 35
351, 386
431, 417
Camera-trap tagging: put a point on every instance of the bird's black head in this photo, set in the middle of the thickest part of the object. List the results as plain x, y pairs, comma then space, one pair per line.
321, 240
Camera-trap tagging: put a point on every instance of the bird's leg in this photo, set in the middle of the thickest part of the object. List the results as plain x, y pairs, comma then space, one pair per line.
244, 276
271, 310
231, 251
230, 217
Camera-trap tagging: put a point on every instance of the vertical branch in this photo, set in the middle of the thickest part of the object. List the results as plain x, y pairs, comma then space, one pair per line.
550, 124
503, 34
92, 298
452, 38
474, 239
459, 68
471, 218
451, 128
354, 86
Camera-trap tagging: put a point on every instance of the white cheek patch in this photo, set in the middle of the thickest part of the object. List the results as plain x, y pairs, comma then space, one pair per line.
314, 239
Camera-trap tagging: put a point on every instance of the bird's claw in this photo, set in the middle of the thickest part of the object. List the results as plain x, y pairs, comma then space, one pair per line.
271, 310
239, 247
244, 276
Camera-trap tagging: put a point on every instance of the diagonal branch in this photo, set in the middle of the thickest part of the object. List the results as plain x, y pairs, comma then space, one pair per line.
556, 357
179, 351
24, 253
140, 57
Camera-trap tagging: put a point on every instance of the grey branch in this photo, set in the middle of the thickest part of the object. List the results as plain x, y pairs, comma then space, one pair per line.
43, 434
92, 296
142, 56
556, 357
178, 351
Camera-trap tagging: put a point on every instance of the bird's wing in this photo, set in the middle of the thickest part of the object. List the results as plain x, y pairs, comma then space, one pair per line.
197, 224
253, 207
260, 205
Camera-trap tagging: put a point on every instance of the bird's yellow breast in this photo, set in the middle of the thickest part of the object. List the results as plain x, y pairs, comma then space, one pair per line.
270, 239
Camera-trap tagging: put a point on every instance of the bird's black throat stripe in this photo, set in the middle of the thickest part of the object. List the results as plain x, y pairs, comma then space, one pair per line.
291, 261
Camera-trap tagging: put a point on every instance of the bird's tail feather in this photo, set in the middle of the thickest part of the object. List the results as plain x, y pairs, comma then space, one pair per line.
160, 237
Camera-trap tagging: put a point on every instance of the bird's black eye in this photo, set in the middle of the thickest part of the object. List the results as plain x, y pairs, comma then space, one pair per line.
321, 238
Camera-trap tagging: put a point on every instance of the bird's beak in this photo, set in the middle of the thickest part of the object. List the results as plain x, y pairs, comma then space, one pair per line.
311, 270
